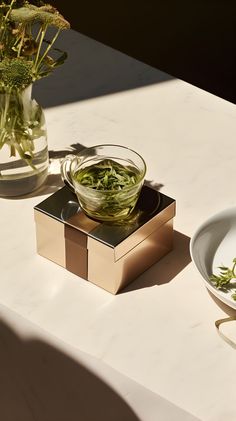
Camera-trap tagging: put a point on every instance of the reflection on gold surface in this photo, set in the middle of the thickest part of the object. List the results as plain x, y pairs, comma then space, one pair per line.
81, 222
143, 232
97, 247
50, 238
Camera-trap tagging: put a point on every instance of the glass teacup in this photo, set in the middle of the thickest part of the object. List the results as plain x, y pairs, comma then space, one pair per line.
107, 180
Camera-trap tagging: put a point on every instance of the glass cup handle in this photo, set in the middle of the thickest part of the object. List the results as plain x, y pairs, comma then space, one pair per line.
65, 171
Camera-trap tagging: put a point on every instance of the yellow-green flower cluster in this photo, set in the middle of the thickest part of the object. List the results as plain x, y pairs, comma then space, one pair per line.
16, 73
25, 54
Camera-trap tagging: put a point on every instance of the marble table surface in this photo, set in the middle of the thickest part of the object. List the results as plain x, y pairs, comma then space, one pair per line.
151, 352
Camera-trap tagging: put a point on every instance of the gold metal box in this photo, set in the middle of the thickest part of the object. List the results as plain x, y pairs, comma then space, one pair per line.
109, 255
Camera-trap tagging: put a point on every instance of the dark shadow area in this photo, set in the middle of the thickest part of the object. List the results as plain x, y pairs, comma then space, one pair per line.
153, 184
39, 383
167, 268
61, 153
51, 185
91, 70
54, 181
194, 41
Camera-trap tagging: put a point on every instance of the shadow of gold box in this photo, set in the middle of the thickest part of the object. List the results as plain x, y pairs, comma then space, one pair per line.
110, 255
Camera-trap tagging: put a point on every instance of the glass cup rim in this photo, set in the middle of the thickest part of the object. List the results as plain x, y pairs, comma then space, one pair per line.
140, 178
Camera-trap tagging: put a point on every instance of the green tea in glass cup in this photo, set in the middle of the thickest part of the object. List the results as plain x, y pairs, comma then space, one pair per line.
107, 180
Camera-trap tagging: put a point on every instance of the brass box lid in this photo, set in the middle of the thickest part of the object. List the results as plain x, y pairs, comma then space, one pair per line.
112, 239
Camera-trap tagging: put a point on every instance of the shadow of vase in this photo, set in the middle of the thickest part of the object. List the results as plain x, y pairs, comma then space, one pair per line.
54, 181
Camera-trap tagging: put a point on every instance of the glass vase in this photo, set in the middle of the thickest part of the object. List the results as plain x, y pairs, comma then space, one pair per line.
23, 143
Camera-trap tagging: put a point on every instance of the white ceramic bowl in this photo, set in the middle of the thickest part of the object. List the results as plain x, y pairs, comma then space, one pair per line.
214, 245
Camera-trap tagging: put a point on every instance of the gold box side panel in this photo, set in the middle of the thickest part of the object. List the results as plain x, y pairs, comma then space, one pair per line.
103, 273
81, 222
101, 249
50, 238
114, 276
146, 253
143, 232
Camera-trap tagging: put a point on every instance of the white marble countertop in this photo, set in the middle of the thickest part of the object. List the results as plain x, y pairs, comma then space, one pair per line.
159, 333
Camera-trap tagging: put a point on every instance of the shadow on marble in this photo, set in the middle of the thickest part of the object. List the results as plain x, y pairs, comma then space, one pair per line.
91, 70
54, 181
38, 382
74, 148
153, 184
167, 268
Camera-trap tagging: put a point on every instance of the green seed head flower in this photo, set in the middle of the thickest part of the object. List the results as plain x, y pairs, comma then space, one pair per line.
16, 73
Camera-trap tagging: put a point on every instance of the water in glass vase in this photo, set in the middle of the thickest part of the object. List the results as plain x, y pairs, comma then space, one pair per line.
23, 143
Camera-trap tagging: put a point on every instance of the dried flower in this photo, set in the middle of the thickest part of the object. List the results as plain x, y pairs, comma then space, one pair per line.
26, 55
19, 22
47, 15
